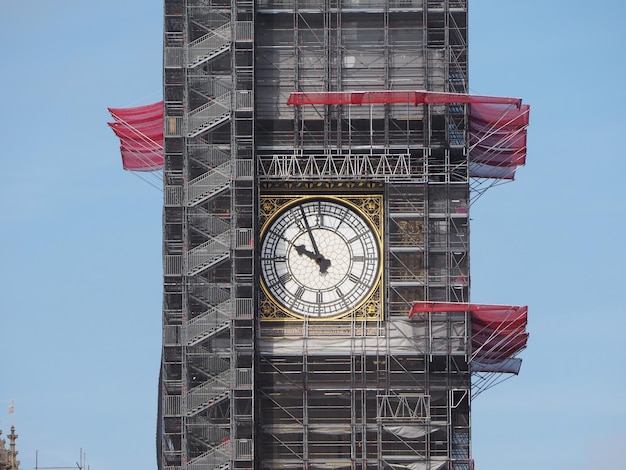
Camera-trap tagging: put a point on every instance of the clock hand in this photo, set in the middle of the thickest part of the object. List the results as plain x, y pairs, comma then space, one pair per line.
322, 262
308, 229
303, 251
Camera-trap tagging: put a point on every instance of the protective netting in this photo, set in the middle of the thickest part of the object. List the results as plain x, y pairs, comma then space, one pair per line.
140, 130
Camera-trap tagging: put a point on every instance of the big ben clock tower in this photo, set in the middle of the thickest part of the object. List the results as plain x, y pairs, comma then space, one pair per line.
317, 185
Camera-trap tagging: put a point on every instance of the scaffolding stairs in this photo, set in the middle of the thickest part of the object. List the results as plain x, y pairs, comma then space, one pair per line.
210, 295
210, 85
208, 156
208, 254
209, 46
208, 185
208, 434
211, 364
209, 323
207, 224
217, 458
209, 393
209, 115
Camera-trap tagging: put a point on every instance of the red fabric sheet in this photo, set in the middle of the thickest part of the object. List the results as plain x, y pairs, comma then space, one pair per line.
149, 112
497, 139
498, 331
508, 117
503, 315
511, 141
414, 97
140, 130
483, 309
153, 131
499, 349
141, 161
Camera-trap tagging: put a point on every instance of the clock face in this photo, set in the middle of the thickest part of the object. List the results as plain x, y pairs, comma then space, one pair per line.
320, 258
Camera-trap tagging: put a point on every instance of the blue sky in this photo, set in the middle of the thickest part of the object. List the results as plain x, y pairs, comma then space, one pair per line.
80, 290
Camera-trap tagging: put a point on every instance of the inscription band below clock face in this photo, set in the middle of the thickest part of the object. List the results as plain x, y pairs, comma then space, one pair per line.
320, 258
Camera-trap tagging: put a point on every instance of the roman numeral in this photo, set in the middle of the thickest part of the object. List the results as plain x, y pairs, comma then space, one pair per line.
299, 222
363, 259
277, 259
320, 215
299, 292
341, 217
342, 299
357, 280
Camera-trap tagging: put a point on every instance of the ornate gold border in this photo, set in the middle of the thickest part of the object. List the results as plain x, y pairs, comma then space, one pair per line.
368, 206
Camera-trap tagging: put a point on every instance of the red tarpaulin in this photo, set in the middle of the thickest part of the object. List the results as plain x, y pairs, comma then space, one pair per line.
484, 311
499, 348
141, 161
140, 130
498, 331
148, 112
505, 316
497, 139
414, 97
152, 131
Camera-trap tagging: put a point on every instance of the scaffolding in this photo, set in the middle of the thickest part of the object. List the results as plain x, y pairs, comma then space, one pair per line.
280, 97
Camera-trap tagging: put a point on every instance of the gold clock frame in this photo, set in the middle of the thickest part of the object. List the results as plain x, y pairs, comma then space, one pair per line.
370, 208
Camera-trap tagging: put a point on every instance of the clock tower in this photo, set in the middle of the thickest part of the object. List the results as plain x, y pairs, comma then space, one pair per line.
317, 184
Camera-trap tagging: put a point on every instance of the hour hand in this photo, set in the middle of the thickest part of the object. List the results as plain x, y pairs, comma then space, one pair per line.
303, 251
322, 262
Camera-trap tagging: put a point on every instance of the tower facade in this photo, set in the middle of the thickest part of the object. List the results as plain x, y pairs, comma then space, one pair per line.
316, 185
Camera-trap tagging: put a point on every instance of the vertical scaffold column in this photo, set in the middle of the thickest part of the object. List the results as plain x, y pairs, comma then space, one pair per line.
197, 373
170, 411
446, 235
243, 230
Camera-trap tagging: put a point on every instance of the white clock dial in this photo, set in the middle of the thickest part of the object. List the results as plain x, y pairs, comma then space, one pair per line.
319, 258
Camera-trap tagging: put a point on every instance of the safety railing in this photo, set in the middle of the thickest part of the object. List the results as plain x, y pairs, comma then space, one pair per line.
208, 115
209, 323
209, 46
203, 395
207, 185
209, 253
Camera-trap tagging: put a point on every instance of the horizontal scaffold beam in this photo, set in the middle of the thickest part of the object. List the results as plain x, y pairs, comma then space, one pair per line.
415, 97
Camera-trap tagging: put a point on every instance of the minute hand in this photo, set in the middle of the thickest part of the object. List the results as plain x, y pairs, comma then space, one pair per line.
322, 262
308, 229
